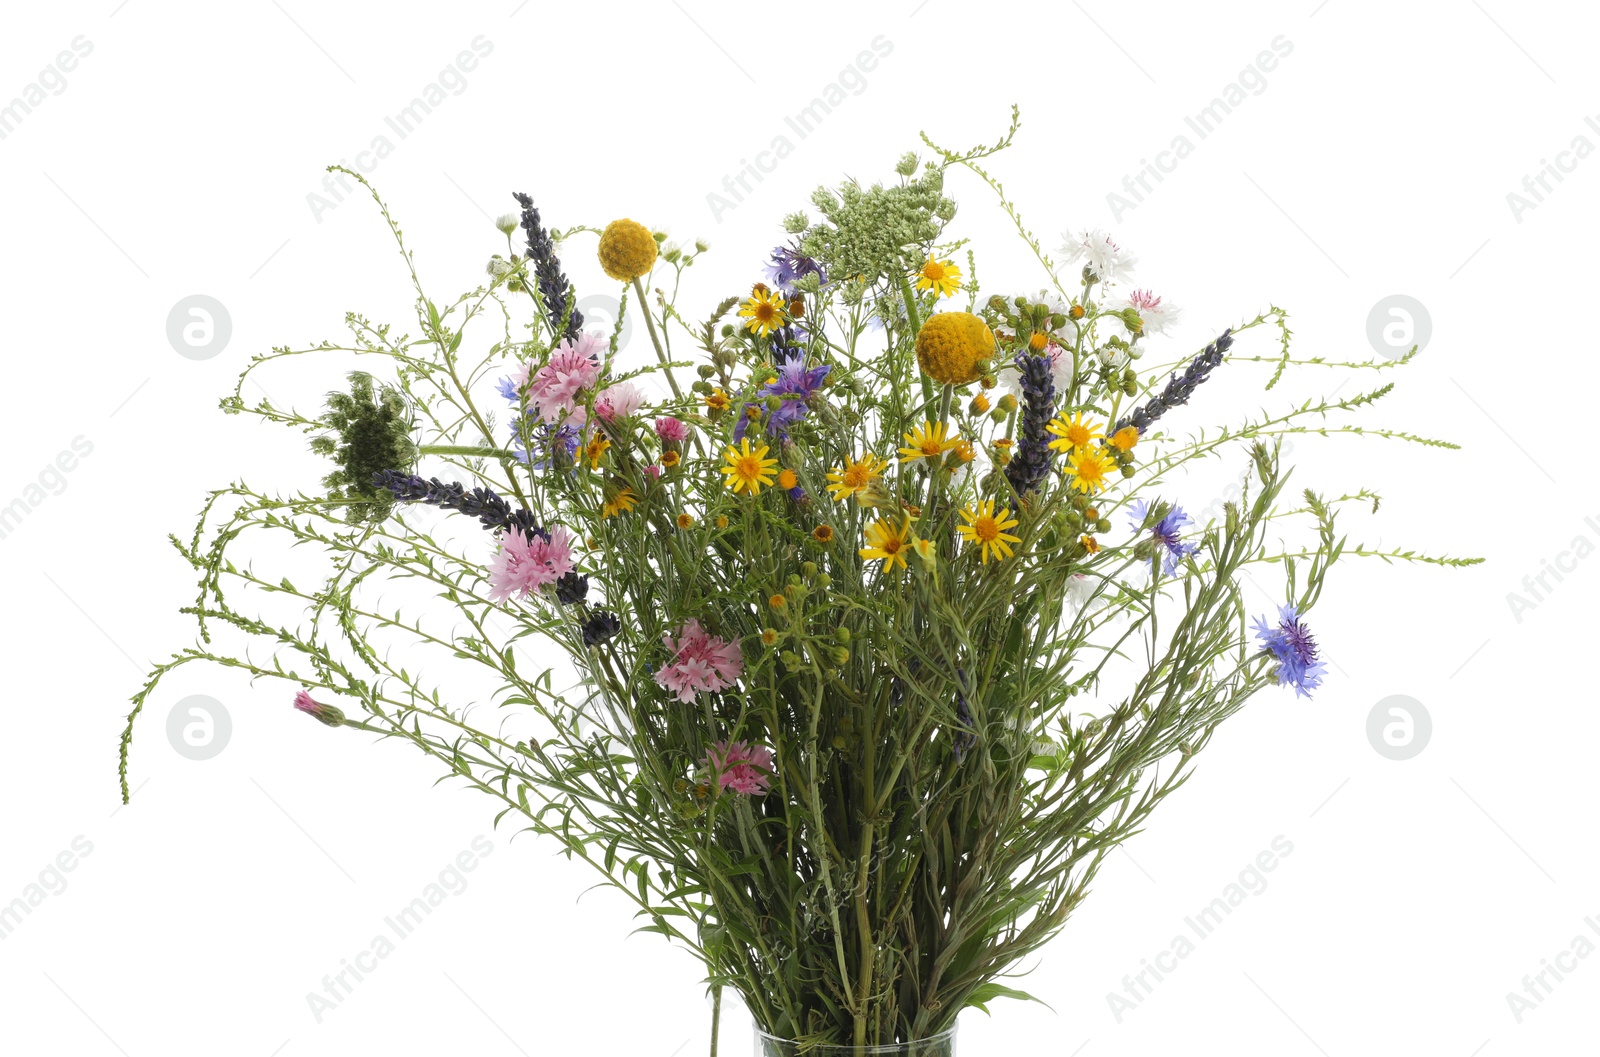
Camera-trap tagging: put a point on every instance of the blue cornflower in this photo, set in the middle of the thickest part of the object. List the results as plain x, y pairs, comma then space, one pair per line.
1291, 643
1170, 549
543, 443
795, 385
789, 264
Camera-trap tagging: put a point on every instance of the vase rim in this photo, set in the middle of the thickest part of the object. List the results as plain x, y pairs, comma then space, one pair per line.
876, 1048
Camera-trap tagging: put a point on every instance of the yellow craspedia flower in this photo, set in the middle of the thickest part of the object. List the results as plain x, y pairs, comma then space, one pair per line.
765, 311
950, 346
942, 276
986, 530
746, 469
627, 250
1074, 432
1091, 469
927, 441
856, 476
886, 543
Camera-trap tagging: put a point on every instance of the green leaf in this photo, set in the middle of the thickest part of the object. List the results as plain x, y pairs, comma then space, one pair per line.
984, 994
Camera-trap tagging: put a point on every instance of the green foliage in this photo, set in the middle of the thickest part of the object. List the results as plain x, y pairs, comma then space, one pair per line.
372, 426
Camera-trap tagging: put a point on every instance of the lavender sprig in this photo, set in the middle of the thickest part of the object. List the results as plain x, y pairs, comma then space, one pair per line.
491, 510
1180, 387
1031, 462
553, 285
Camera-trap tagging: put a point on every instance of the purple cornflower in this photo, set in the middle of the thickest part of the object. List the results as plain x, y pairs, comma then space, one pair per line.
789, 264
1291, 643
1031, 462
1170, 549
795, 385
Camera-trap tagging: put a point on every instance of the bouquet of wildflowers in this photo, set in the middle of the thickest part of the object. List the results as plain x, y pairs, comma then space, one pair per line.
888, 619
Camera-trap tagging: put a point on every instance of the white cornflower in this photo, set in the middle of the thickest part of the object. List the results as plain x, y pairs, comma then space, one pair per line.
507, 222
1157, 314
1109, 262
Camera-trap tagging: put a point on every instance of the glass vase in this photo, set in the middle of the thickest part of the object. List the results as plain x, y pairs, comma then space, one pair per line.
941, 1045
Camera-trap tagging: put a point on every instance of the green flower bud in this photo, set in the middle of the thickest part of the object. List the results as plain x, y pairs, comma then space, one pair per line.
507, 222
841, 656
701, 245
1103, 525
842, 633
1008, 403
1127, 471
824, 580
808, 570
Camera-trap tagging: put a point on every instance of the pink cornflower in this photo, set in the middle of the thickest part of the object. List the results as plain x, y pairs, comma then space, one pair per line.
700, 661
618, 401
672, 430
522, 566
574, 366
653, 471
740, 767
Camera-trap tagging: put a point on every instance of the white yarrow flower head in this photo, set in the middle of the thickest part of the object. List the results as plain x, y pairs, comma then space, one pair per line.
508, 222
1109, 262
1156, 313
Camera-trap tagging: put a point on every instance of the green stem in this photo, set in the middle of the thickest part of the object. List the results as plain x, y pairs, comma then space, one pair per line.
655, 339
916, 327
716, 1016
471, 450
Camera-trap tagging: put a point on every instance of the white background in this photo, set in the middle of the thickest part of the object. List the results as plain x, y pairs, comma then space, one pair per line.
1376, 160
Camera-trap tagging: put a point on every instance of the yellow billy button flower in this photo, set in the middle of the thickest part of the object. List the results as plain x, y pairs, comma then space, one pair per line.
951, 345
1125, 438
1073, 433
927, 441
856, 476
746, 469
942, 276
627, 250
1091, 469
620, 502
886, 543
986, 530
765, 311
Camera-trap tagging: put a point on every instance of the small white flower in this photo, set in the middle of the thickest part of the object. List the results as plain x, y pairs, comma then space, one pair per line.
1108, 261
498, 267
1156, 313
508, 222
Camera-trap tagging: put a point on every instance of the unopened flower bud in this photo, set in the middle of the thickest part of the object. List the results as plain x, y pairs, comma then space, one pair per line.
841, 656
808, 570
507, 222
842, 633
325, 714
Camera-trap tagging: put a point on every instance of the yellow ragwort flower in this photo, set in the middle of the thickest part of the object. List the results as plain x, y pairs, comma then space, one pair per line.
768, 636
595, 450
1125, 438
746, 469
927, 441
787, 478
777, 601
669, 459
855, 477
765, 311
716, 401
1090, 544
1090, 469
685, 521
627, 250
1073, 433
942, 276
823, 534
950, 346
621, 501
986, 530
722, 521
886, 543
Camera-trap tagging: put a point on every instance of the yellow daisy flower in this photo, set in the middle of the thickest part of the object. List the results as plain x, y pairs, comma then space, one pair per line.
765, 311
986, 530
746, 469
621, 501
1073, 433
595, 450
886, 543
1125, 438
1090, 469
942, 276
927, 441
716, 401
855, 477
